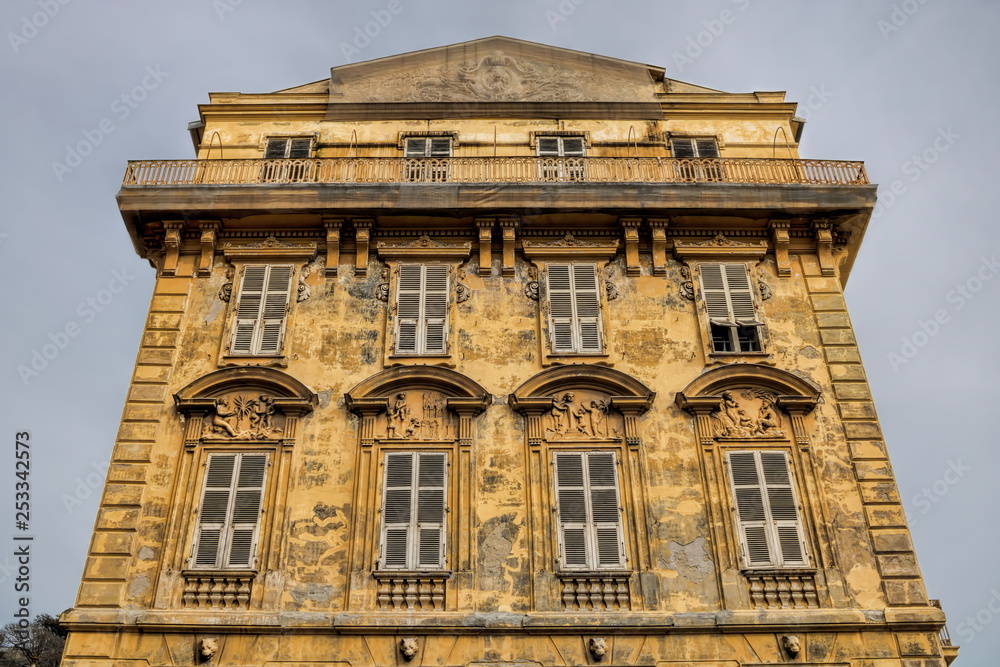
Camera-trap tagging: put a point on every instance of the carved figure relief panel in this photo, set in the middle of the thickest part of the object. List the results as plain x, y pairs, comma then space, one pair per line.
748, 413
246, 415
417, 415
582, 414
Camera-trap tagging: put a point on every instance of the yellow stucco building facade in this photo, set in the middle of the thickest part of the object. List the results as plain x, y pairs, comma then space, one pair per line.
500, 354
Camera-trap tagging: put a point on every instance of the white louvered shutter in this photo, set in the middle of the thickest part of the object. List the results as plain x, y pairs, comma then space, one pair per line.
261, 309
413, 511
769, 524
574, 308
422, 309
230, 510
728, 294
589, 510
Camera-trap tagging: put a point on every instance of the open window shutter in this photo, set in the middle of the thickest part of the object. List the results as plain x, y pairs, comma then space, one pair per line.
560, 295
397, 509
587, 303
247, 509
740, 294
435, 309
275, 309
783, 508
571, 506
276, 148
248, 309
214, 510
750, 509
431, 507
408, 298
713, 290
605, 509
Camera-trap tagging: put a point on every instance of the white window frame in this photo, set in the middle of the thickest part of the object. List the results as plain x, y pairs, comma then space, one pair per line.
766, 510
257, 329
703, 149
429, 161
561, 165
417, 535
288, 172
574, 312
593, 536
422, 310
733, 319
230, 526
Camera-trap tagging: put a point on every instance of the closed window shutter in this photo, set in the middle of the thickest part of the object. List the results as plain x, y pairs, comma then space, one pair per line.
397, 510
430, 510
574, 308
682, 148
300, 148
290, 147
439, 147
427, 147
261, 309
770, 526
413, 510
230, 510
548, 146
422, 309
572, 146
589, 510
687, 147
276, 148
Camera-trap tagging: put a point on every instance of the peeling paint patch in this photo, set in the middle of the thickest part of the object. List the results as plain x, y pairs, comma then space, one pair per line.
146, 553
691, 561
313, 592
139, 586
809, 352
324, 397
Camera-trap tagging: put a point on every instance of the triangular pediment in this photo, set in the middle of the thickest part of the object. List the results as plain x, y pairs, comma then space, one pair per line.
496, 69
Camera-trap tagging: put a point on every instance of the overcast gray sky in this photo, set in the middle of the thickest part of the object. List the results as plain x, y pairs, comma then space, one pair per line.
899, 84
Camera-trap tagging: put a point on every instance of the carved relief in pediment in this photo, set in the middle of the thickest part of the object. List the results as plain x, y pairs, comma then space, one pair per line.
244, 415
418, 415
748, 413
579, 415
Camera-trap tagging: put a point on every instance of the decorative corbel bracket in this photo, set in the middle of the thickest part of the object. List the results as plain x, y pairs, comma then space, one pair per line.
823, 230
658, 228
532, 407
702, 408
362, 239
780, 237
632, 407
172, 244
797, 408
209, 231
333, 227
630, 231
508, 227
485, 227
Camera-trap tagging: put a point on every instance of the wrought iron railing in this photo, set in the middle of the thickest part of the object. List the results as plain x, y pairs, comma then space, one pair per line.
944, 635
495, 170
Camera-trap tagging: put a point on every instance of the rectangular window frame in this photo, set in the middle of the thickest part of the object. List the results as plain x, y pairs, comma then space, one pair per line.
418, 536
261, 334
732, 319
588, 550
764, 533
705, 151
422, 313
297, 150
228, 528
575, 322
563, 163
427, 158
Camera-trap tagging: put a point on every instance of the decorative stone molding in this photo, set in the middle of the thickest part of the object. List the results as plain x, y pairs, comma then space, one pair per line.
226, 290
823, 229
207, 648
462, 291
508, 227
485, 227
782, 590
598, 647
658, 230
792, 645
687, 284
531, 287
720, 248
382, 289
595, 592
780, 237
362, 237
409, 647
424, 247
411, 591
217, 590
302, 290
269, 250
172, 238
570, 247
630, 231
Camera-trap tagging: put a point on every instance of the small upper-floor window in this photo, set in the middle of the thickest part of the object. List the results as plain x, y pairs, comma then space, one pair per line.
422, 309
427, 170
414, 504
261, 310
229, 514
701, 171
561, 147
290, 147
589, 511
574, 308
769, 524
729, 303
693, 147
427, 147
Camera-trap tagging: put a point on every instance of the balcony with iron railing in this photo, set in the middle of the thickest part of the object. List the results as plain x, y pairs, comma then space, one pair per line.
486, 170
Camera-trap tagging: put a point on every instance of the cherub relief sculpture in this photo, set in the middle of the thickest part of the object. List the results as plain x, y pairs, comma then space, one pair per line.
589, 416
740, 420
243, 416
